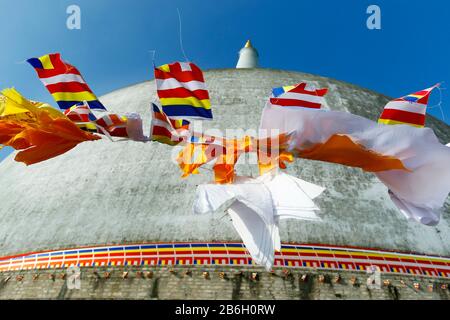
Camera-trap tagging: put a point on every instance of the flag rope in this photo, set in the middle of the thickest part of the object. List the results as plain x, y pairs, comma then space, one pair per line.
181, 36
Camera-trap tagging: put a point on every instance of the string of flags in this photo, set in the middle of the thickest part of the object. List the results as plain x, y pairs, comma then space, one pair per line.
399, 149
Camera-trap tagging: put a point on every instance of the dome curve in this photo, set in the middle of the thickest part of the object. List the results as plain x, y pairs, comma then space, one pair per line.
106, 193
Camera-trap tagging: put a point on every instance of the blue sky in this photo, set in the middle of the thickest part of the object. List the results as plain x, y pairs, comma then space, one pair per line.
328, 38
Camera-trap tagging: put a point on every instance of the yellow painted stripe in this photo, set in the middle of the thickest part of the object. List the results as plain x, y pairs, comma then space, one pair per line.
46, 62
393, 122
191, 101
433, 259
149, 250
165, 250
290, 250
74, 96
307, 251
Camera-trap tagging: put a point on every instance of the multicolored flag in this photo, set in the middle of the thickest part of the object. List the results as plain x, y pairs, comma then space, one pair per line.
83, 117
165, 130
80, 113
298, 96
410, 109
180, 124
114, 124
64, 82
182, 91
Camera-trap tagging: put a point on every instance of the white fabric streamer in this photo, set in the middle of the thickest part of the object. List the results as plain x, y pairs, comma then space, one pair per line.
257, 205
134, 127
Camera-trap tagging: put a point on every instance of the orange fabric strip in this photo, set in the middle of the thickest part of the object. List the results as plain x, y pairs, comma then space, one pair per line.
343, 150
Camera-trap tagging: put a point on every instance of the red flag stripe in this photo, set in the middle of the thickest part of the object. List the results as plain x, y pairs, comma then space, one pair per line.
294, 103
68, 87
183, 93
160, 116
302, 89
403, 116
181, 77
120, 132
59, 68
161, 131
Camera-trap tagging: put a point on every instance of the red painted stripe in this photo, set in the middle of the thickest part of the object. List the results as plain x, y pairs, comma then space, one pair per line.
290, 253
294, 103
114, 254
392, 259
217, 252
68, 87
183, 93
183, 252
403, 116
307, 254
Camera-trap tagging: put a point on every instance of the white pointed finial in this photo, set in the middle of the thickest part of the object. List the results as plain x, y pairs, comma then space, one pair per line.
248, 57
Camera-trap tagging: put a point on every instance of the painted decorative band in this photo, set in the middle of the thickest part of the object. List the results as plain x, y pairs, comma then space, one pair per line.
230, 254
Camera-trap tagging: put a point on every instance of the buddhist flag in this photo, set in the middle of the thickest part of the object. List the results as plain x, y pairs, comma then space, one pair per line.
298, 96
182, 91
83, 117
80, 113
410, 109
410, 162
114, 125
64, 82
165, 130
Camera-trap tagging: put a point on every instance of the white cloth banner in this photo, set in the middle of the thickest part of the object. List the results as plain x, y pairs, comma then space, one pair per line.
424, 189
257, 205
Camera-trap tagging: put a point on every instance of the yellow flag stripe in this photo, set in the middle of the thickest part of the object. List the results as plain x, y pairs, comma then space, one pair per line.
74, 96
393, 122
165, 68
164, 139
191, 101
46, 62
